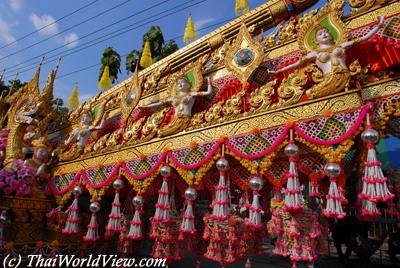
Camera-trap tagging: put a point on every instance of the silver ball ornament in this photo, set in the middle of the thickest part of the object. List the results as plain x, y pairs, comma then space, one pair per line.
118, 184
165, 171
190, 193
332, 169
222, 164
370, 136
256, 183
137, 201
77, 190
94, 207
291, 149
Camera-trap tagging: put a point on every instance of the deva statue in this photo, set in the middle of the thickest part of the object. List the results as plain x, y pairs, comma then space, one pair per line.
324, 40
184, 92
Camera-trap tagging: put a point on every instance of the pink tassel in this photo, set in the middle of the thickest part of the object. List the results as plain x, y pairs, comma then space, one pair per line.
244, 203
187, 225
369, 209
248, 264
374, 187
314, 189
220, 202
92, 234
135, 231
293, 194
115, 218
254, 220
72, 223
334, 202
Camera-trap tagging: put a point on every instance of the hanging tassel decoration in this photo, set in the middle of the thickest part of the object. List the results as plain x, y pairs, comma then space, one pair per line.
241, 7
135, 231
187, 225
369, 209
72, 223
255, 211
244, 203
293, 196
190, 34
221, 202
146, 58
374, 183
92, 234
333, 199
105, 80
163, 206
115, 217
73, 101
314, 188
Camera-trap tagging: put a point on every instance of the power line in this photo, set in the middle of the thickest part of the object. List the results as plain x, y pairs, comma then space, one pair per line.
82, 37
99, 64
48, 25
108, 36
65, 30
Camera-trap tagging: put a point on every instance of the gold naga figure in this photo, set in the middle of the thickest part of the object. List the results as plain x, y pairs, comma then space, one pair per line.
324, 40
184, 92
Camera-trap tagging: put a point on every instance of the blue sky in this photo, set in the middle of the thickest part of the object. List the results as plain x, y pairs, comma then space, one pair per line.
20, 17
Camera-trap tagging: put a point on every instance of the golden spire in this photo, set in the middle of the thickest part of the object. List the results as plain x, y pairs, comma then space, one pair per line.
241, 7
105, 81
73, 100
190, 34
146, 59
47, 93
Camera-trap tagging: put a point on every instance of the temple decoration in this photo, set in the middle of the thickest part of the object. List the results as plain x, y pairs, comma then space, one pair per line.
287, 139
105, 80
115, 217
244, 55
146, 59
164, 225
293, 196
324, 40
72, 223
73, 101
241, 7
374, 183
334, 199
190, 34
135, 230
92, 234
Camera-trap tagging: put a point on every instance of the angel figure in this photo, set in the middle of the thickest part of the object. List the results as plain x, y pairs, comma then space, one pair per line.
81, 134
324, 40
182, 101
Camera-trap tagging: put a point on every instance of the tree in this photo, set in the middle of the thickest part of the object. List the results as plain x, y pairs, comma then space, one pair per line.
112, 59
131, 60
15, 84
159, 49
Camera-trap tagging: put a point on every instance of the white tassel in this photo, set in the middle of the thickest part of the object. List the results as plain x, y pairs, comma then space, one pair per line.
244, 203
135, 231
187, 225
254, 220
92, 234
293, 194
163, 206
369, 209
115, 218
374, 187
72, 223
221, 202
334, 202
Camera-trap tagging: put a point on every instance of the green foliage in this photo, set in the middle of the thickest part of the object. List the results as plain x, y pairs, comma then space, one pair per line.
131, 60
159, 49
13, 85
112, 59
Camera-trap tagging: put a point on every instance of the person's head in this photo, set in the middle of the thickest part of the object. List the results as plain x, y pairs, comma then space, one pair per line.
183, 85
323, 36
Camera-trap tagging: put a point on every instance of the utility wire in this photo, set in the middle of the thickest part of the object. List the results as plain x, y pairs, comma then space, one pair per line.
48, 25
65, 30
109, 36
99, 64
10, 68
